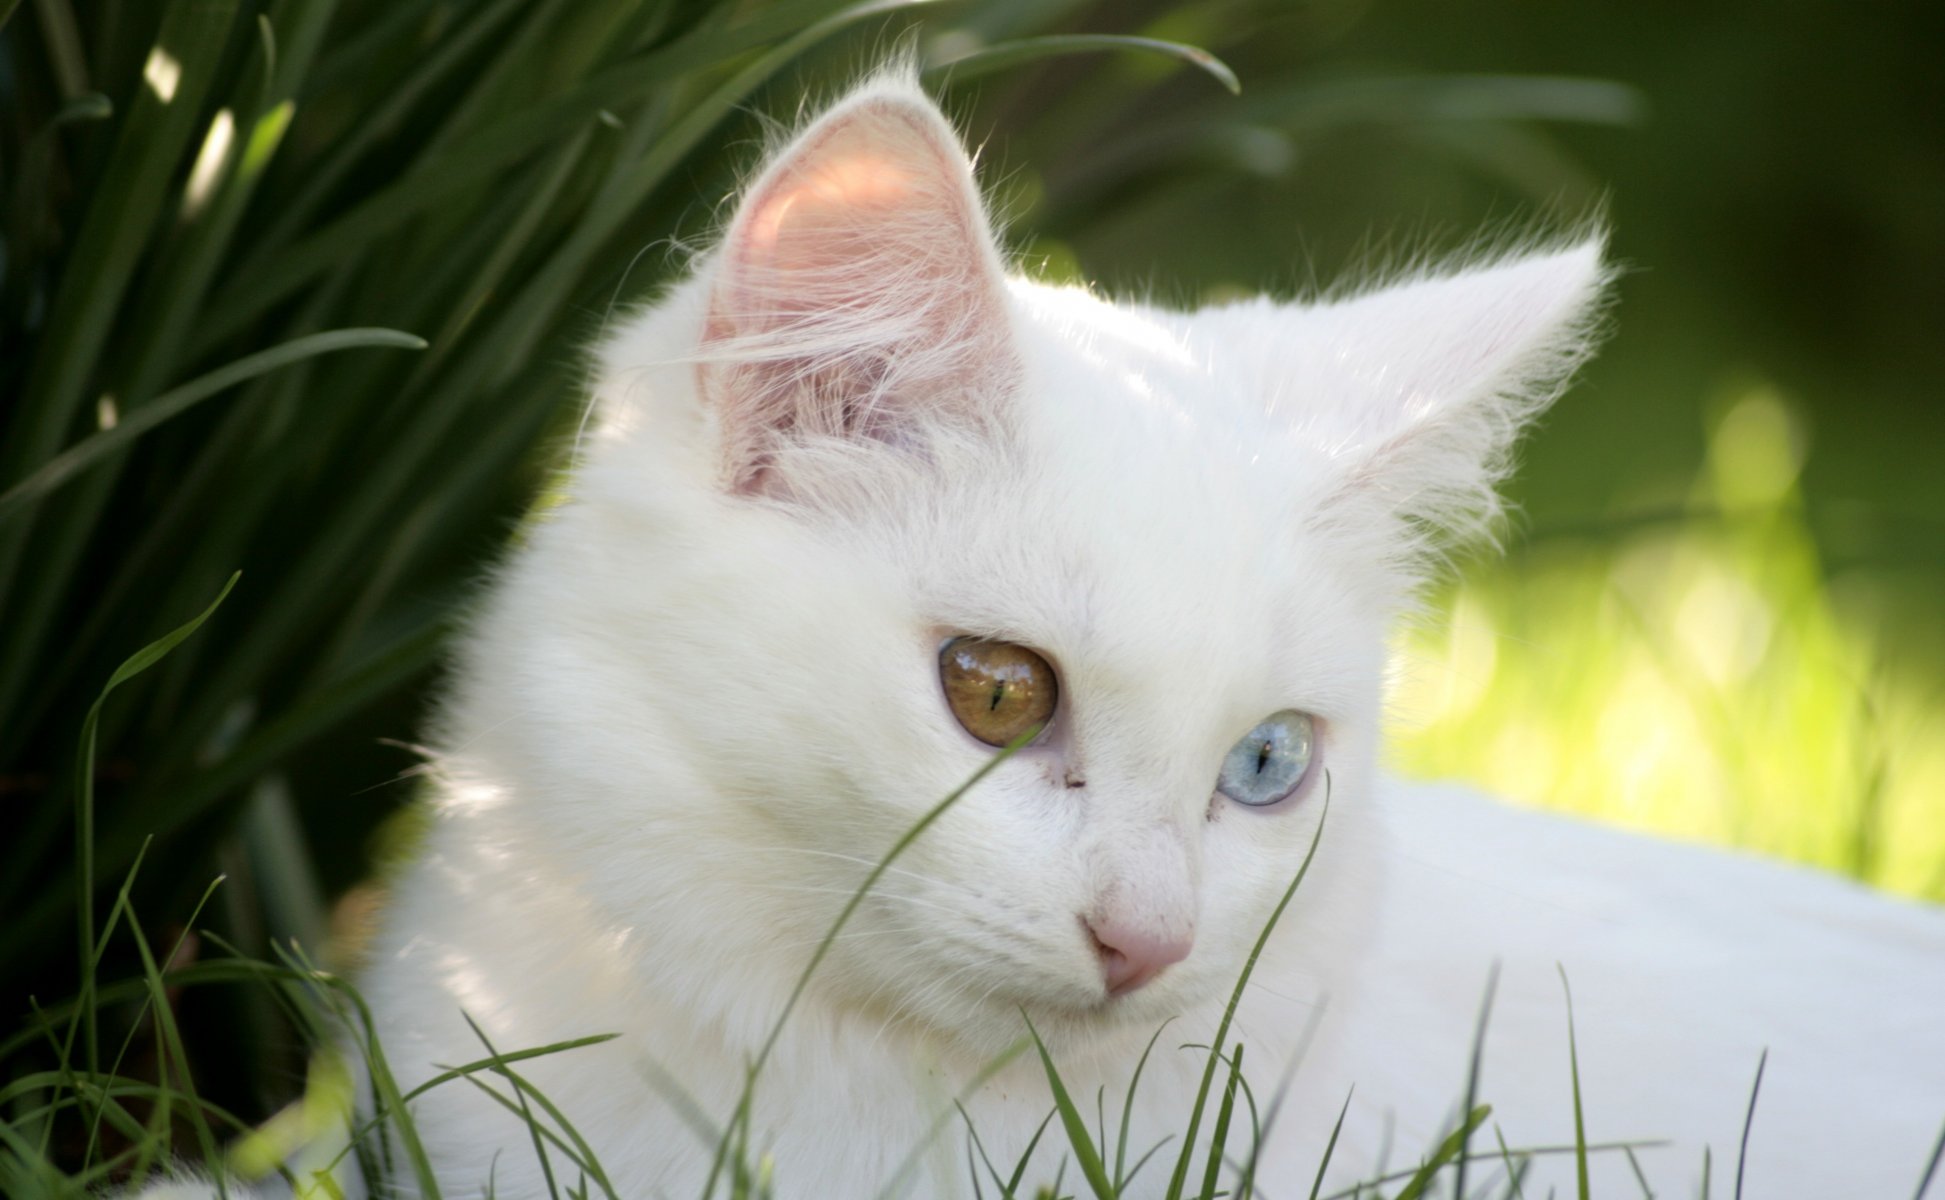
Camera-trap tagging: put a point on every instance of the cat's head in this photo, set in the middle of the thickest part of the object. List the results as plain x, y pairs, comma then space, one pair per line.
859, 505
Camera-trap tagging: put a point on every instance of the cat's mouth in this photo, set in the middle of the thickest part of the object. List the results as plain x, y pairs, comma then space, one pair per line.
1141, 998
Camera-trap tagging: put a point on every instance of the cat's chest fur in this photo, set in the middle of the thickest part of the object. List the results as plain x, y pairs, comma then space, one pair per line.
716, 686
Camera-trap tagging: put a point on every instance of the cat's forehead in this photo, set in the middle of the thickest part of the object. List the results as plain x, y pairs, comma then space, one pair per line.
1170, 420
1151, 516
1219, 394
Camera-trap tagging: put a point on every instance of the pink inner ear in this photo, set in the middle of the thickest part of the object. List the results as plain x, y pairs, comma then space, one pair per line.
812, 214
859, 290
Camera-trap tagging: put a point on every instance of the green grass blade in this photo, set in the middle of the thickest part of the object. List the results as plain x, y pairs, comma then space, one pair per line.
1026, 1156
1931, 1166
1006, 55
1311, 107
176, 401
1085, 1153
542, 1135
1472, 1075
1330, 1147
1211, 1175
1515, 1172
151, 988
1311, 104
78, 1012
1640, 1176
534, 1127
1449, 1151
84, 832
1580, 1122
972, 1164
358, 1023
975, 1146
1146, 1156
171, 1050
449, 1074
1128, 1106
1749, 1120
1101, 1117
84, 1011
1180, 1177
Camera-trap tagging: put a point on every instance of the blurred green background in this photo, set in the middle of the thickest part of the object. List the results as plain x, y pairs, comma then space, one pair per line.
1720, 613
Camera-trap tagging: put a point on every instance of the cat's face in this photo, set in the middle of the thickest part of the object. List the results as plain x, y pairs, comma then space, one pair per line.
860, 506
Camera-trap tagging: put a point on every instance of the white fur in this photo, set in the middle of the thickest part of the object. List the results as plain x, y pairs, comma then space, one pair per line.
703, 698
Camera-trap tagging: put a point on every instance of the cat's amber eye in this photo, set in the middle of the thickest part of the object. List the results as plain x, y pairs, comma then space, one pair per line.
997, 690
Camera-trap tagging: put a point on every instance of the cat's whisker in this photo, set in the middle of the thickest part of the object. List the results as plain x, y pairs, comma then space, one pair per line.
1257, 985
766, 951
876, 893
920, 998
988, 993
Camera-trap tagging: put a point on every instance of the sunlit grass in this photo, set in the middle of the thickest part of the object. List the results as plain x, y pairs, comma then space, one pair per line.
1694, 676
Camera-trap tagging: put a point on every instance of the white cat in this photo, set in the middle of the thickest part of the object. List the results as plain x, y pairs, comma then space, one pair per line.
858, 506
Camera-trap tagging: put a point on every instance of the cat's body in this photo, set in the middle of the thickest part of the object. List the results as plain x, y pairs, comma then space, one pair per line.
706, 695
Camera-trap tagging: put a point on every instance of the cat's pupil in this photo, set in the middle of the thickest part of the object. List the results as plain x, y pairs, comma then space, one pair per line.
999, 694
1262, 757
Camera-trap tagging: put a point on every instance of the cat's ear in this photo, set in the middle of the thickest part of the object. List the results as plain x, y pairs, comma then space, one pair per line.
858, 294
1434, 380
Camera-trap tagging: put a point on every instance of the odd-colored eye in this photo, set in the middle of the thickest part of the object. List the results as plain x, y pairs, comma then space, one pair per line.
997, 690
1271, 760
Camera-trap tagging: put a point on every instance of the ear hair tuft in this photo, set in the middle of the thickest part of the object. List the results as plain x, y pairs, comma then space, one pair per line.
1453, 368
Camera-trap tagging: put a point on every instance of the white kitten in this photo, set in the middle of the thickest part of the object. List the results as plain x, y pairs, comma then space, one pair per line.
707, 694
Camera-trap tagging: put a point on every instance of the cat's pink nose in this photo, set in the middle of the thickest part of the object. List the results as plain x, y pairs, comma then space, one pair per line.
1131, 954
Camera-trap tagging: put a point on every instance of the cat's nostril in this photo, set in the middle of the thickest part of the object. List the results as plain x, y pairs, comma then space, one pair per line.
1131, 956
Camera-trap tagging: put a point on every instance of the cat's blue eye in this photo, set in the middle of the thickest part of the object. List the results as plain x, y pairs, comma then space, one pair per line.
1270, 761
